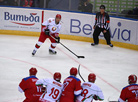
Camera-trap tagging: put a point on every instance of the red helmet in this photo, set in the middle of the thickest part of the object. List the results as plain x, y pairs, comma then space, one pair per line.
92, 77
33, 71
132, 78
57, 76
58, 16
73, 71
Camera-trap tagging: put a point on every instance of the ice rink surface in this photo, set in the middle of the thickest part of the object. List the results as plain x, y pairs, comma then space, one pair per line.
111, 65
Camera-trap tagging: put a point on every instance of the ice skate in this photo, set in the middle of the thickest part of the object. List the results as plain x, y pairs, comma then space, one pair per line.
93, 44
52, 52
111, 45
33, 53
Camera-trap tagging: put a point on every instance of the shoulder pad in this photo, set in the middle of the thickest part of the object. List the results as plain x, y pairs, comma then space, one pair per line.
30, 77
77, 79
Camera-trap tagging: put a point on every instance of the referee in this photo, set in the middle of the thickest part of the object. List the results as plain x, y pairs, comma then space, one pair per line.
102, 21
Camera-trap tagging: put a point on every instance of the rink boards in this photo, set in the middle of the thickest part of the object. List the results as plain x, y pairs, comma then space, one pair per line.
75, 26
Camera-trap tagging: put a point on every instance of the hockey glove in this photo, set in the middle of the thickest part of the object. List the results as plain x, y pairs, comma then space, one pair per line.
95, 97
47, 32
43, 89
57, 39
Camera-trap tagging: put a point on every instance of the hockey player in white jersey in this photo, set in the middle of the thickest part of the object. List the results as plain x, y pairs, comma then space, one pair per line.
50, 27
53, 88
90, 91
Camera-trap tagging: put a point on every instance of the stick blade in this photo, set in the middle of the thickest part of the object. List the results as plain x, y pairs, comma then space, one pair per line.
80, 56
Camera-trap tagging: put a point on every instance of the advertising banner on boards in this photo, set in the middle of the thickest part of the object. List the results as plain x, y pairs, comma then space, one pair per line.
20, 19
79, 24
73, 23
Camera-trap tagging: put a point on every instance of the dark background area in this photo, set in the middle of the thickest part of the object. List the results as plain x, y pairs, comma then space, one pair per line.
70, 5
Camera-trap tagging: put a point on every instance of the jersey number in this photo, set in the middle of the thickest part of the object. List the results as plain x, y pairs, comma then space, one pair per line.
54, 93
136, 92
84, 93
65, 85
39, 89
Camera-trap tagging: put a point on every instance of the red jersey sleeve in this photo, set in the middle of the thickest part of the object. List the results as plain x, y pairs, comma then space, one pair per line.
78, 88
123, 94
22, 85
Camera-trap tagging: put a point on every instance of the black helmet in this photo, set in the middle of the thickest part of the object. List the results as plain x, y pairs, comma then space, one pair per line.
102, 7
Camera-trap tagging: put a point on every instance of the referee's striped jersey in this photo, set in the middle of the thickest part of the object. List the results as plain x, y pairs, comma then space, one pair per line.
102, 20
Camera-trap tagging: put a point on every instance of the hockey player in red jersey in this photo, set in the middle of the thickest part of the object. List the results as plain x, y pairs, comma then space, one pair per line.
50, 27
72, 87
53, 88
130, 92
90, 91
27, 85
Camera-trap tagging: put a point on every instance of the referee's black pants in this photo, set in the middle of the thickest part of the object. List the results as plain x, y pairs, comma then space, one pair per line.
97, 32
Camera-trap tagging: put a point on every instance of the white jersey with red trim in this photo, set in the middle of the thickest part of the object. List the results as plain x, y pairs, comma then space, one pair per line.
89, 90
53, 90
52, 26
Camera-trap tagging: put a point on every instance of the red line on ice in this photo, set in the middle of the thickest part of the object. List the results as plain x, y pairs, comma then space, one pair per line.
52, 73
90, 70
28, 63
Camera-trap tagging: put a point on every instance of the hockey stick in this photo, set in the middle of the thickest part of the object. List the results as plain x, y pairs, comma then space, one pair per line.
68, 49
111, 100
79, 73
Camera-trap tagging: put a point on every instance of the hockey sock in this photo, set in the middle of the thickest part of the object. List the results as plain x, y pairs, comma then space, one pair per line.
53, 46
38, 44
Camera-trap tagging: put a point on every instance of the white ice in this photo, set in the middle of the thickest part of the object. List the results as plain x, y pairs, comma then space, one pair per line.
111, 65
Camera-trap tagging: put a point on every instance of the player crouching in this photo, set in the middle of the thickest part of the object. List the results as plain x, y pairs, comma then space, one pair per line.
90, 91
53, 88
50, 29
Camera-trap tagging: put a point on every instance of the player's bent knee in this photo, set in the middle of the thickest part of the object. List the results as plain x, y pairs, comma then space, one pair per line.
39, 43
54, 44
